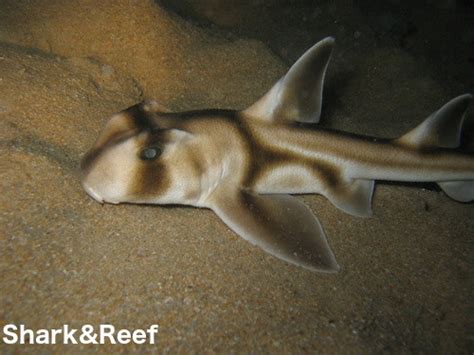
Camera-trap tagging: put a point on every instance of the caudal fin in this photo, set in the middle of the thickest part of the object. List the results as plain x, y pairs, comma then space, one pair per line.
442, 129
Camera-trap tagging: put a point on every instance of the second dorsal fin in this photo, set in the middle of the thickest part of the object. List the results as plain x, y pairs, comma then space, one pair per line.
298, 95
442, 129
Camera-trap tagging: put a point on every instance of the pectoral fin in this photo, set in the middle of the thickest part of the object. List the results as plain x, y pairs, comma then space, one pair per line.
279, 224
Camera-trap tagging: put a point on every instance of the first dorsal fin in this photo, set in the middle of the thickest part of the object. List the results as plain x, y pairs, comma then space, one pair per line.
298, 95
442, 129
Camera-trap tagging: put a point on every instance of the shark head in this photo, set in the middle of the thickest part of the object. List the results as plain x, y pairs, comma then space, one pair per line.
134, 160
208, 158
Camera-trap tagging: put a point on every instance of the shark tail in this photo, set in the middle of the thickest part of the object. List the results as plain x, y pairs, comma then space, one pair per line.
442, 129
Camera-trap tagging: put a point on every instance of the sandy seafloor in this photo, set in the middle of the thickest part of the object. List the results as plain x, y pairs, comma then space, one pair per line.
406, 283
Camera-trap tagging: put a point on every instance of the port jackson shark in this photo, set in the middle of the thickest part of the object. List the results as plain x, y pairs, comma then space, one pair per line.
245, 165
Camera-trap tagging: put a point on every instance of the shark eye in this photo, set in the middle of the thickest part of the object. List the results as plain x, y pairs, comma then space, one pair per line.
150, 153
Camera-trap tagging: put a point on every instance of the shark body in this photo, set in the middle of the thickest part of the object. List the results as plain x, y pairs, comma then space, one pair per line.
245, 164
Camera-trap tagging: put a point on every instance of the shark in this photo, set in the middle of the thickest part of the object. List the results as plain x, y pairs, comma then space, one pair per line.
247, 165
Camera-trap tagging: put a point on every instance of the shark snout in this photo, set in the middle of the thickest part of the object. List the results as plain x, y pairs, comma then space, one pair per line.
92, 193
96, 195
